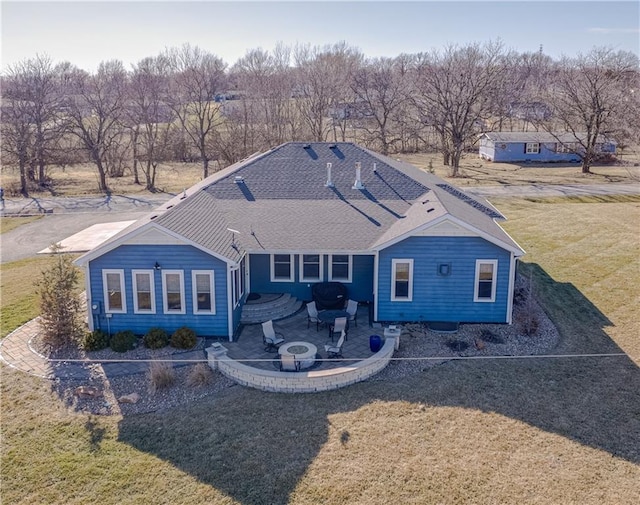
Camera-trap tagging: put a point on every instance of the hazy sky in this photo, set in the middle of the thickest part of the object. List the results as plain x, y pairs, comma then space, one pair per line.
87, 32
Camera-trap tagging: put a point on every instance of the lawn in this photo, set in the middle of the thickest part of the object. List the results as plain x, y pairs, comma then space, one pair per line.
505, 431
10, 223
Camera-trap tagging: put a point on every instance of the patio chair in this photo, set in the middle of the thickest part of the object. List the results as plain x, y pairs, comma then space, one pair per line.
340, 324
288, 363
335, 351
270, 337
352, 310
312, 315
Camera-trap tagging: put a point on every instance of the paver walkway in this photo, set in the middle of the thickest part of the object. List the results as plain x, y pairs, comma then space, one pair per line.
17, 352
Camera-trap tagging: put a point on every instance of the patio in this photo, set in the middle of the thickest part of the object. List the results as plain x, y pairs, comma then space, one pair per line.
246, 361
248, 348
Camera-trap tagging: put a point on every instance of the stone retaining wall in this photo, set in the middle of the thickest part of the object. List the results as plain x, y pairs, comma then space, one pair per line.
300, 382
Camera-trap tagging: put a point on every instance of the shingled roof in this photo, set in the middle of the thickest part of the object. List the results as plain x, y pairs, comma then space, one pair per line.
279, 201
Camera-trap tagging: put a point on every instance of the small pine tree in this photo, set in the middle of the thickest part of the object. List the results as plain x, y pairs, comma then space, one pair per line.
60, 304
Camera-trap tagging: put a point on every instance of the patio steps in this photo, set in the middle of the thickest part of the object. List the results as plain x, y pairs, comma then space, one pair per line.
274, 307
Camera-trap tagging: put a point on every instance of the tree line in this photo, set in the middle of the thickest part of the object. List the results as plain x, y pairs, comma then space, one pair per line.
187, 104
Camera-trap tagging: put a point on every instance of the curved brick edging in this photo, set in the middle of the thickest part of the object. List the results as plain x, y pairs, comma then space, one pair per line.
303, 382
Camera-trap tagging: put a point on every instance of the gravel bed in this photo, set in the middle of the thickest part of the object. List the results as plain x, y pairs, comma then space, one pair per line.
416, 341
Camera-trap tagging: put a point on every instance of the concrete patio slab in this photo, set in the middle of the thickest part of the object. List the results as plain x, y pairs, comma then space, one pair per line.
90, 237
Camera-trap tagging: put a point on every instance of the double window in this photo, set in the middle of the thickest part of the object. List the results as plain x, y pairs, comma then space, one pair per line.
402, 280
173, 291
340, 267
113, 285
203, 292
144, 298
485, 285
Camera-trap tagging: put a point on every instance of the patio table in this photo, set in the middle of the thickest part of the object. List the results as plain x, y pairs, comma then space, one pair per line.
329, 317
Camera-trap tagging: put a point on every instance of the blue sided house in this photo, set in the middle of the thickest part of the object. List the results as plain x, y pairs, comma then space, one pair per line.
404, 242
537, 147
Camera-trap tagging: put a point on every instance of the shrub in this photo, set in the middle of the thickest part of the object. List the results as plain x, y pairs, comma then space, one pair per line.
528, 322
95, 341
156, 338
183, 338
123, 341
161, 375
199, 375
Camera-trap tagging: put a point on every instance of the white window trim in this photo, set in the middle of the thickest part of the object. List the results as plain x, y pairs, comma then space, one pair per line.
236, 297
532, 148
108, 309
292, 268
321, 269
394, 262
212, 291
134, 282
165, 303
331, 278
476, 283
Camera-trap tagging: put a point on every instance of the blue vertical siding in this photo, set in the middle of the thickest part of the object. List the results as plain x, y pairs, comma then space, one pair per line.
360, 289
443, 298
170, 257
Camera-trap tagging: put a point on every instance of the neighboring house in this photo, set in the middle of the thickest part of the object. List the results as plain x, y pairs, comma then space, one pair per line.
538, 147
401, 240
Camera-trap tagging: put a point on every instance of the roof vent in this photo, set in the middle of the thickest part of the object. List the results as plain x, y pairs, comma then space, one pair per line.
238, 179
329, 183
306, 146
358, 184
333, 146
375, 167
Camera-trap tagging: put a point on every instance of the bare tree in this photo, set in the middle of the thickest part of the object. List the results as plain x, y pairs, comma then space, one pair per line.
381, 90
197, 77
149, 116
32, 124
95, 107
588, 98
455, 88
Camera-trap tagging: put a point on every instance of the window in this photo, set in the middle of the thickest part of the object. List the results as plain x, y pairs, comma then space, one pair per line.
282, 268
340, 267
173, 291
113, 285
144, 299
532, 148
401, 280
204, 300
485, 286
311, 268
237, 274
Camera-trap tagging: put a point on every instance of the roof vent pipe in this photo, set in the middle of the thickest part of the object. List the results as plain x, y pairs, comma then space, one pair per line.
329, 183
358, 184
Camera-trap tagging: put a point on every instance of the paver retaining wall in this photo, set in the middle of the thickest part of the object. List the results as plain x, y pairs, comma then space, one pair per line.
300, 382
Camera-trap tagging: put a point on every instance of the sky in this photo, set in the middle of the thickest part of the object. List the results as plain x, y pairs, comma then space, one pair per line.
88, 32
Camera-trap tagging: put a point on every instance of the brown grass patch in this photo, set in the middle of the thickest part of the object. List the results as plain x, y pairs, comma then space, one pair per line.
161, 375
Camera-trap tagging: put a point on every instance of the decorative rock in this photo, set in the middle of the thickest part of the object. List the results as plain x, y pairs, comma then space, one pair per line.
87, 392
130, 398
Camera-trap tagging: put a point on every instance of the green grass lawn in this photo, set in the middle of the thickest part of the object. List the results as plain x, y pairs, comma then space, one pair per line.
506, 431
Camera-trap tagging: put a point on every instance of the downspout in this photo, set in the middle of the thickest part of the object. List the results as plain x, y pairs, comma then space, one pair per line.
87, 288
376, 262
230, 302
512, 282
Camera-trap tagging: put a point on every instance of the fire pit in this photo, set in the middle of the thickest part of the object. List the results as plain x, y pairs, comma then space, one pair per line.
303, 352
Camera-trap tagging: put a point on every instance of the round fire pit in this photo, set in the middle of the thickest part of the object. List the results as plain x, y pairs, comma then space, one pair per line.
304, 352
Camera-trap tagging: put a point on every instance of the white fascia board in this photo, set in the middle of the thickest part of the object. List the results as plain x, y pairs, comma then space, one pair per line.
101, 250
517, 251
